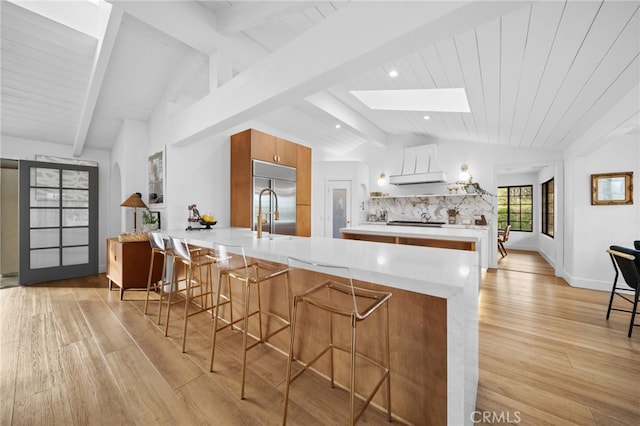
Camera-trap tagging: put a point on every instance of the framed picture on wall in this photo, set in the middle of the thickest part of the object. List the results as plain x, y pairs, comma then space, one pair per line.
612, 189
156, 170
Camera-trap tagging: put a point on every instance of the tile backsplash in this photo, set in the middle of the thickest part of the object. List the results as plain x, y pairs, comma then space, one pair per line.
469, 206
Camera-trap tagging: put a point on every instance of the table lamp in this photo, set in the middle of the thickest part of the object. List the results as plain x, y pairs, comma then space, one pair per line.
135, 201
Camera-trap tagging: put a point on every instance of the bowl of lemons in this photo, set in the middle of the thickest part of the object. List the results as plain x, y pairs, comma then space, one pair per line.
208, 221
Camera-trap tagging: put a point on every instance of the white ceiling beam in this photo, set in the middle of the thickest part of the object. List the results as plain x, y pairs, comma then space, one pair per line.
620, 119
220, 68
242, 16
188, 68
329, 52
334, 107
103, 54
185, 21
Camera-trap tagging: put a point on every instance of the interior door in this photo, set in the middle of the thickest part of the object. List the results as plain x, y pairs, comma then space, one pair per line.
58, 221
337, 208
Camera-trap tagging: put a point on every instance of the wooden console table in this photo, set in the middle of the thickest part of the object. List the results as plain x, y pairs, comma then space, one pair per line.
128, 264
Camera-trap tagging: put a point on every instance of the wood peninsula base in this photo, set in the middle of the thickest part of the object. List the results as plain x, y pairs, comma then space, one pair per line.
433, 315
418, 342
413, 241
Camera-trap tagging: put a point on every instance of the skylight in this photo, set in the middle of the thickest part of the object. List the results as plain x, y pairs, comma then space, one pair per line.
445, 100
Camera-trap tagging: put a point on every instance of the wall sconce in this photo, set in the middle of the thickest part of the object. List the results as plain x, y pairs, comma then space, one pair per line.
381, 179
135, 201
464, 175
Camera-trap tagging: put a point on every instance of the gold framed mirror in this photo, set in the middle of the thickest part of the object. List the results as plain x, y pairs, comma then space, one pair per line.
612, 189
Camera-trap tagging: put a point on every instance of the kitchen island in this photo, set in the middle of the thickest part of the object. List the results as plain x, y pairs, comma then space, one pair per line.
473, 238
433, 312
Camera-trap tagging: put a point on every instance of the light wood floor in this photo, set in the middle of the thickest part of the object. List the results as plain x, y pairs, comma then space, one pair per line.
72, 353
548, 354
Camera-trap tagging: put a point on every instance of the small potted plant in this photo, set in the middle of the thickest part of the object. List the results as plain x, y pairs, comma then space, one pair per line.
149, 221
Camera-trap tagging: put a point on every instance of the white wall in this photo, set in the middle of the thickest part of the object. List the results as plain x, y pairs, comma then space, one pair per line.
485, 162
198, 173
592, 229
129, 155
323, 171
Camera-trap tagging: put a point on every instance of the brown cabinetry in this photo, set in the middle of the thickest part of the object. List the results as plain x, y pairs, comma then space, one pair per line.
255, 145
128, 264
272, 149
413, 241
303, 175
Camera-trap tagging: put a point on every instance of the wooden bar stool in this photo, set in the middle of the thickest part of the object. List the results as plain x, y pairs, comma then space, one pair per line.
232, 265
336, 294
190, 260
158, 248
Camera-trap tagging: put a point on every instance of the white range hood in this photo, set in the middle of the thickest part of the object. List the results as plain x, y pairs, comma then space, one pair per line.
419, 165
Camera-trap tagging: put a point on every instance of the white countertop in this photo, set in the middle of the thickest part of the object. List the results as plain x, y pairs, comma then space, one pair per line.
423, 269
471, 233
479, 234
450, 274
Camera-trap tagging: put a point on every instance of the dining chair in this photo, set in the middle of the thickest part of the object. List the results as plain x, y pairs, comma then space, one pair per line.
626, 261
503, 237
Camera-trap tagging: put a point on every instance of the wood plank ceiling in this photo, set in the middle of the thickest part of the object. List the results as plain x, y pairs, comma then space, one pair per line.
536, 77
45, 72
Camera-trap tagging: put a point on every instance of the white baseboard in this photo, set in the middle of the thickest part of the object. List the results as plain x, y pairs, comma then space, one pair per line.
588, 283
550, 261
577, 282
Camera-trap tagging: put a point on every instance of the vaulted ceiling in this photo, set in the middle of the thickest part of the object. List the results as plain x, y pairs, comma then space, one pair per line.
537, 74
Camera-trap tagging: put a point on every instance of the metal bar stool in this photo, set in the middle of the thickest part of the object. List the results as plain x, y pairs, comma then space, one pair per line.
336, 294
232, 264
158, 248
190, 260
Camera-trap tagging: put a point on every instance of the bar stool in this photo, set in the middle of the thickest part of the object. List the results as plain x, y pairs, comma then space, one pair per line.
190, 260
158, 248
232, 264
336, 294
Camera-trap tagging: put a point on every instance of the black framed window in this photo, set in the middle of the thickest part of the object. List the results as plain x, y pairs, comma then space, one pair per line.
547, 207
515, 207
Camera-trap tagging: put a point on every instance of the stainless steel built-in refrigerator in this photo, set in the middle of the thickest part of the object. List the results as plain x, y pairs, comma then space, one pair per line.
282, 180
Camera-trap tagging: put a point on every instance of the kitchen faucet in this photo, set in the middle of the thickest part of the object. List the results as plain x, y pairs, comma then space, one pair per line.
275, 213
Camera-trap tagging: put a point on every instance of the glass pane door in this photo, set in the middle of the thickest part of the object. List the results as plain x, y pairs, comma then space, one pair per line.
338, 207
58, 221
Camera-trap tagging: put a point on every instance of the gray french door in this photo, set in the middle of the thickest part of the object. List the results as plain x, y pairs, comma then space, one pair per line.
58, 221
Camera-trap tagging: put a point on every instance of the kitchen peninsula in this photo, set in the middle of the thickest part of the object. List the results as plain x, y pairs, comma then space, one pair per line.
473, 238
433, 312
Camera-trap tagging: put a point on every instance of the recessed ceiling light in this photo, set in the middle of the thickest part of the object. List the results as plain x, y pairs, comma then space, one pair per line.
337, 126
393, 73
446, 100
426, 117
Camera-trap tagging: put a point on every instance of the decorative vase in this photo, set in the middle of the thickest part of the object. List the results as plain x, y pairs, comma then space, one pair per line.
453, 213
